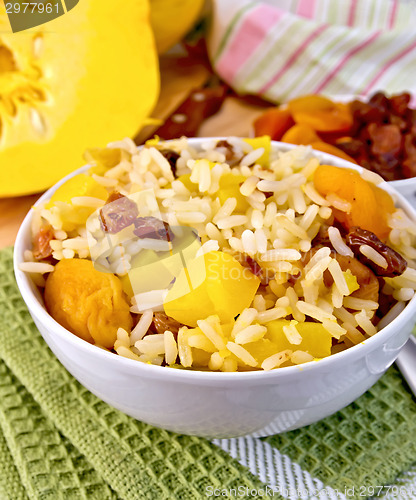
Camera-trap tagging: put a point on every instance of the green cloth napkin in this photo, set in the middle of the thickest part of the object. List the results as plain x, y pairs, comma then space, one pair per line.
58, 441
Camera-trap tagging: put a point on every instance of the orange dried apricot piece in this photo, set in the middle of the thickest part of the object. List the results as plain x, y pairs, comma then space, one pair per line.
300, 134
273, 122
370, 205
320, 113
87, 302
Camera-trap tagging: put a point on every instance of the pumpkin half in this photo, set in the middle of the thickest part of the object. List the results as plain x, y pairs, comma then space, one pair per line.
83, 79
172, 19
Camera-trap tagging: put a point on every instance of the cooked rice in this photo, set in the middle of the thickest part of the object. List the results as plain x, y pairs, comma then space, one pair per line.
250, 334
210, 328
338, 243
272, 314
201, 341
232, 221
353, 334
140, 330
242, 354
392, 314
249, 185
359, 304
374, 256
171, 348
87, 201
338, 203
259, 303
280, 254
292, 334
229, 365
216, 361
126, 352
339, 279
300, 357
333, 328
365, 323
404, 294
313, 311
252, 157
184, 350
285, 213
36, 267
276, 360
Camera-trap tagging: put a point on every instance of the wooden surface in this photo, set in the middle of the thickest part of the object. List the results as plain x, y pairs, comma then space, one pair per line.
179, 75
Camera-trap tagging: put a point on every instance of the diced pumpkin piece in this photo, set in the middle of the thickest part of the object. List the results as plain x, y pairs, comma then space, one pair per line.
261, 142
186, 181
351, 281
102, 159
151, 270
273, 122
370, 205
87, 302
212, 284
262, 349
200, 358
315, 339
301, 134
230, 188
80, 185
320, 113
186, 178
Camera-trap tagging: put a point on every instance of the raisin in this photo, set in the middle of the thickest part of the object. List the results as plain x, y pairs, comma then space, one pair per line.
396, 264
248, 262
385, 139
41, 243
162, 322
118, 213
151, 227
399, 103
385, 127
172, 157
229, 152
369, 285
350, 146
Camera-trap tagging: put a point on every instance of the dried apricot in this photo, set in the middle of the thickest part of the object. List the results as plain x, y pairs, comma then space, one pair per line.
370, 205
87, 302
274, 122
300, 134
320, 113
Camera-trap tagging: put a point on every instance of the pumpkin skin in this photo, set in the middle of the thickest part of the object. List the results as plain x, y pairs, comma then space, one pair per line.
83, 79
172, 19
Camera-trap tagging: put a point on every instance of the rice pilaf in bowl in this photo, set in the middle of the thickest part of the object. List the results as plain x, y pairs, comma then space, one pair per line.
234, 256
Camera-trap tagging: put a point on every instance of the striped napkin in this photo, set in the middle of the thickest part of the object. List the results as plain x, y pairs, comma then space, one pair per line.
281, 49
60, 442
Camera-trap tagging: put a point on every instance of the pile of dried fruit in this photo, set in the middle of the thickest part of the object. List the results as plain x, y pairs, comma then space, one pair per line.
379, 135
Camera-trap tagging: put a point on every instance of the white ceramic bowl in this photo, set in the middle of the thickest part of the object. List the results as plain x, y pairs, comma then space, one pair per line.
221, 404
406, 187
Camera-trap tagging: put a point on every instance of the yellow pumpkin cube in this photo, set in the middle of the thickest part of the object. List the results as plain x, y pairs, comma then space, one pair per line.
212, 284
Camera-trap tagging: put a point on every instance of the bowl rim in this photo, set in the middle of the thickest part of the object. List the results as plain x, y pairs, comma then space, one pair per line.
26, 288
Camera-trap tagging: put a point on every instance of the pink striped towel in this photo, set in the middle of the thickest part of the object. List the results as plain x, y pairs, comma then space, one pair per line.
280, 49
